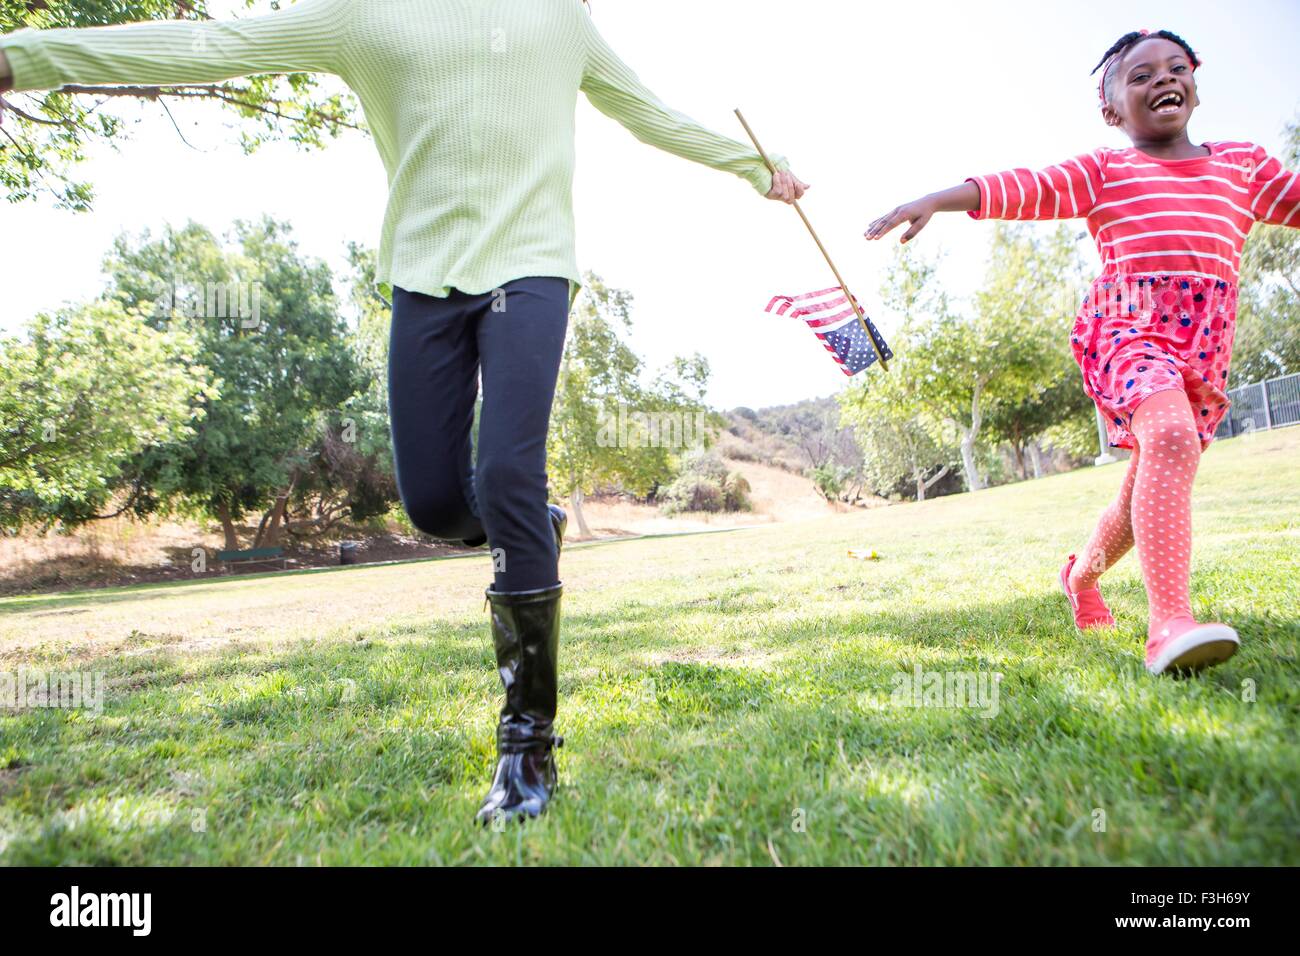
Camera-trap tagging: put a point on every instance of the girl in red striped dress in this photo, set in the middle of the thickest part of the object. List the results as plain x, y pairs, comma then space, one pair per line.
1154, 336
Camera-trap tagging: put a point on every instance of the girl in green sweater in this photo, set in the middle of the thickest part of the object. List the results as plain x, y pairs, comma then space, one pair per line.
471, 106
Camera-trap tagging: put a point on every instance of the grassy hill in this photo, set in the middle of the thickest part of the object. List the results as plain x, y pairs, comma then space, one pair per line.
727, 698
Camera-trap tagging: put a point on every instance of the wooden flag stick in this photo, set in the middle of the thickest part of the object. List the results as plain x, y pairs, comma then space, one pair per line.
826, 255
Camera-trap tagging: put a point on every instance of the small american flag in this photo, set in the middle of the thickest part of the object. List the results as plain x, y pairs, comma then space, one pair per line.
832, 319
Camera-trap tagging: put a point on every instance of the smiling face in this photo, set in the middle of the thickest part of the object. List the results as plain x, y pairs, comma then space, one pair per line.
1150, 91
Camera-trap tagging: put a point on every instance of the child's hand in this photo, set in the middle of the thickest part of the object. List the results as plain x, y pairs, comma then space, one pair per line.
786, 186
918, 213
963, 198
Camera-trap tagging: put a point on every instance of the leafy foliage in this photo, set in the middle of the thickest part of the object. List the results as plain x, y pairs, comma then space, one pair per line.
83, 393
49, 134
903, 449
283, 378
706, 484
607, 427
980, 369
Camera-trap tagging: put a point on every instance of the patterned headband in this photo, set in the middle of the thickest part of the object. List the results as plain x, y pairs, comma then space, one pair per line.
1101, 85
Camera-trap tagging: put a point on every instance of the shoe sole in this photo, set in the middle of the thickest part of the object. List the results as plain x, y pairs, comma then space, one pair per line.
1197, 649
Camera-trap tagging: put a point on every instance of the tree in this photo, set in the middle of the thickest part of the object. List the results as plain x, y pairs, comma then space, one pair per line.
350, 463
276, 341
814, 427
86, 391
52, 132
1057, 396
992, 351
889, 417
1062, 405
606, 426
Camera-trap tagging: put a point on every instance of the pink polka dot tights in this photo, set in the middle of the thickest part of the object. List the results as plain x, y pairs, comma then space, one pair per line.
1153, 510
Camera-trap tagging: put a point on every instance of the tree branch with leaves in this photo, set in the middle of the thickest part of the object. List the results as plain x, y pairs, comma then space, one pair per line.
48, 135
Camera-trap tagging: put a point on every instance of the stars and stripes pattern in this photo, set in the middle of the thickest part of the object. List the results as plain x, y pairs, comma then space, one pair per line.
830, 315
1148, 216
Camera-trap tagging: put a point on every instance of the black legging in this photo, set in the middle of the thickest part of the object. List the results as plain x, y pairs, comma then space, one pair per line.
436, 348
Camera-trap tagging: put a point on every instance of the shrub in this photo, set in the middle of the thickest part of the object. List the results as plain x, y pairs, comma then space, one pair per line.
735, 493
705, 484
829, 480
693, 493
705, 464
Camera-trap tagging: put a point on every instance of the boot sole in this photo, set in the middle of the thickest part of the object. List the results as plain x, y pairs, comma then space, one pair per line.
511, 816
1199, 648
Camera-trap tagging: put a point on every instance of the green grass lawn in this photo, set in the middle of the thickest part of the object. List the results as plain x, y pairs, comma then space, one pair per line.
726, 699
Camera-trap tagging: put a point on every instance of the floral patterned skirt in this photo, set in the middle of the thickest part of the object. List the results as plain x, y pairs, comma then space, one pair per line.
1137, 335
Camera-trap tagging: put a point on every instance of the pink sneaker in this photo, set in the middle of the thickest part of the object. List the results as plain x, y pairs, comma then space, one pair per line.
1088, 607
1183, 645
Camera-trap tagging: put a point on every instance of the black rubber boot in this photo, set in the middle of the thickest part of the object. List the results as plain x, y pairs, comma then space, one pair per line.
526, 637
559, 521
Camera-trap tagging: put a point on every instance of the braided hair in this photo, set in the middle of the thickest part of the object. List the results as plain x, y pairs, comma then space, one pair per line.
1121, 46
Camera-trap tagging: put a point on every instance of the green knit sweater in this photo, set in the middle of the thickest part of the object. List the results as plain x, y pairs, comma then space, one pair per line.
470, 102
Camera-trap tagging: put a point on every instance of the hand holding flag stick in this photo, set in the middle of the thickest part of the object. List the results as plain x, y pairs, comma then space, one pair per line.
868, 332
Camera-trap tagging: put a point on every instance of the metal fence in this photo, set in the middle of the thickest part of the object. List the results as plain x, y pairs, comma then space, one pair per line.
1269, 404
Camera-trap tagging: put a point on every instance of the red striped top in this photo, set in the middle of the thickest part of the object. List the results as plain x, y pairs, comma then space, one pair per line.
1153, 216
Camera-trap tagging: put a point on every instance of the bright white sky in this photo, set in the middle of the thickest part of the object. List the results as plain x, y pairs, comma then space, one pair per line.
874, 104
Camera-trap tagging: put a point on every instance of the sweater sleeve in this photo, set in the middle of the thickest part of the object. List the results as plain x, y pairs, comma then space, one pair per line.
1067, 190
1276, 198
302, 38
615, 90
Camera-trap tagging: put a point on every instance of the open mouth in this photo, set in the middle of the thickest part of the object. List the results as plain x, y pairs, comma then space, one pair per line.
1170, 101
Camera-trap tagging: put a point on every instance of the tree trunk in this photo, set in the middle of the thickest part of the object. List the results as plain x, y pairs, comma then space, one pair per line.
1036, 456
968, 437
925, 484
272, 519
918, 476
228, 527
268, 535
575, 499
973, 482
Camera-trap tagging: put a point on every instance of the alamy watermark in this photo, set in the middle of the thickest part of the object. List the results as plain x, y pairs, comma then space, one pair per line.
634, 429
130, 910
213, 300
976, 690
60, 690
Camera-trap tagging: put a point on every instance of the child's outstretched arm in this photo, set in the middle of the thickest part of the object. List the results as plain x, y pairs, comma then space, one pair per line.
1277, 191
1064, 191
303, 38
963, 198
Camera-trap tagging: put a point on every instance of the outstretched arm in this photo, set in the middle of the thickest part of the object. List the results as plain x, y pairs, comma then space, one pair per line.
963, 198
302, 38
615, 90
1276, 198
1064, 191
